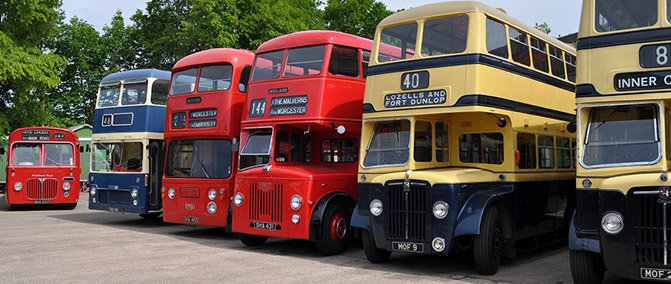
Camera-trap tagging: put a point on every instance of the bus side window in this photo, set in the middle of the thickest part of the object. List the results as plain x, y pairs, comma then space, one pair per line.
526, 147
546, 155
81, 149
570, 66
563, 153
159, 92
557, 62
344, 61
496, 38
423, 141
442, 142
365, 59
519, 47
574, 151
244, 79
539, 54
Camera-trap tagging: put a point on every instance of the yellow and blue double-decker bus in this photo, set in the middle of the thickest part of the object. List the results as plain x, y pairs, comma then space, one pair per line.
127, 142
464, 141
622, 223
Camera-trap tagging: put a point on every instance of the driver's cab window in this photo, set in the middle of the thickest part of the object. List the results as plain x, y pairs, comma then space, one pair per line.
292, 147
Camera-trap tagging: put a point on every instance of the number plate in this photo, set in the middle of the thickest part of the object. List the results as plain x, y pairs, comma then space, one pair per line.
265, 226
656, 274
656, 55
191, 220
42, 202
407, 247
415, 80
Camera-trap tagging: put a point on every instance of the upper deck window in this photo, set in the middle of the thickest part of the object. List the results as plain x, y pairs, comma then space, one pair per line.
402, 37
26, 154
215, 78
109, 95
622, 135
344, 61
365, 60
496, 38
267, 65
304, 61
668, 10
519, 47
619, 15
557, 62
570, 66
159, 92
389, 145
445, 36
539, 54
184, 82
256, 151
134, 94
58, 154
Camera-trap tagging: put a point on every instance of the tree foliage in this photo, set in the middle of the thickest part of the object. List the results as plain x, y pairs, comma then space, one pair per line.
544, 27
359, 17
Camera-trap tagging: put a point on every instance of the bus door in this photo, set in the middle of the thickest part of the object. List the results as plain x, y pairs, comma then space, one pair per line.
156, 150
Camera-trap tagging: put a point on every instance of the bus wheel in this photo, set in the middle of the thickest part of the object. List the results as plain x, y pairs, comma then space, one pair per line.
373, 254
252, 240
335, 231
586, 267
487, 246
151, 216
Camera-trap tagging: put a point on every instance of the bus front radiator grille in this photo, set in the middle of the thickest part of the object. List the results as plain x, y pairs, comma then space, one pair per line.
407, 210
265, 201
650, 223
42, 189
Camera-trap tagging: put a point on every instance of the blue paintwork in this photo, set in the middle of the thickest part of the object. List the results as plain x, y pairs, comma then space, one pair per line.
582, 244
470, 216
122, 183
136, 74
147, 118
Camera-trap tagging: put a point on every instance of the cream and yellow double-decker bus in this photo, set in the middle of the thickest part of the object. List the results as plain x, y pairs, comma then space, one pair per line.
464, 141
624, 95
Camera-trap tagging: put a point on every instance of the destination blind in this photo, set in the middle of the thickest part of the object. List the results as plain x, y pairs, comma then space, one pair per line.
431, 97
643, 81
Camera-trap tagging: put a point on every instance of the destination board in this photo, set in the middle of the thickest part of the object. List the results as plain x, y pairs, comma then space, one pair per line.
291, 105
653, 80
431, 97
36, 135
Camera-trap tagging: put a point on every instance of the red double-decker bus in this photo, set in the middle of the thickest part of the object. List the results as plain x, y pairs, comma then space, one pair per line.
300, 140
43, 167
202, 129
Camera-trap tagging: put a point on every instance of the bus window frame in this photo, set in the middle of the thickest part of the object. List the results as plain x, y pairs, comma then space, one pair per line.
484, 132
271, 152
195, 83
652, 26
581, 147
380, 31
108, 84
42, 154
420, 35
151, 92
144, 81
199, 77
374, 122
322, 70
359, 59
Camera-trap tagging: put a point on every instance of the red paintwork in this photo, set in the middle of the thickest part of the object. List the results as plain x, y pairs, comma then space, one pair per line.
229, 105
332, 100
18, 173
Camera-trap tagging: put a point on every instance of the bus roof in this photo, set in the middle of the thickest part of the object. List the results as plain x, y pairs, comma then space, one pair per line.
442, 8
18, 131
316, 37
136, 74
210, 56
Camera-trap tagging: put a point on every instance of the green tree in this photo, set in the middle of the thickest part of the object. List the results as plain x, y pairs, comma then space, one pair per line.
266, 19
358, 17
544, 27
209, 24
27, 69
83, 47
122, 47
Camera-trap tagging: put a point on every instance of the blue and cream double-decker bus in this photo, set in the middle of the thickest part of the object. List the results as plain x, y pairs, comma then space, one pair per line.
127, 141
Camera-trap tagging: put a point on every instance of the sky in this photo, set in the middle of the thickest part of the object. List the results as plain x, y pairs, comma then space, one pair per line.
561, 16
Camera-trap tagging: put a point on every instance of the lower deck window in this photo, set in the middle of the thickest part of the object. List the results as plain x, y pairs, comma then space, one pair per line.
292, 147
199, 159
389, 144
117, 157
339, 150
256, 151
483, 148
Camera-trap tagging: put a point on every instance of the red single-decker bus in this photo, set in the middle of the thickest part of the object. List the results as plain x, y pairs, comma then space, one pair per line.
43, 167
202, 129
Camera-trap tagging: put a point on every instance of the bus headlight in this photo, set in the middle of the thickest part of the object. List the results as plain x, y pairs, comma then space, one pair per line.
438, 244
212, 194
211, 208
66, 186
133, 193
237, 200
296, 202
612, 223
440, 209
18, 186
376, 207
295, 218
93, 190
171, 193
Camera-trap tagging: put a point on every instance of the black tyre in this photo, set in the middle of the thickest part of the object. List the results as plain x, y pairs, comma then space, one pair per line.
373, 253
335, 230
487, 246
586, 267
151, 216
252, 240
